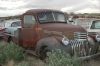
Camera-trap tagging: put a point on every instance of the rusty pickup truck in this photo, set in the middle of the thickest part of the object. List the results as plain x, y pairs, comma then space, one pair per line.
43, 30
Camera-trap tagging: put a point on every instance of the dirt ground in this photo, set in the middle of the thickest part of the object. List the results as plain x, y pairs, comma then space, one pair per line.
93, 62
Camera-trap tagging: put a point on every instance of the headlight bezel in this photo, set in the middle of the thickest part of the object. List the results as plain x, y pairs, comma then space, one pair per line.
65, 41
97, 37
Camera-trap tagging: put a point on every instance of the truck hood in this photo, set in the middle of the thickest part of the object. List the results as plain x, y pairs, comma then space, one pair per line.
66, 29
63, 27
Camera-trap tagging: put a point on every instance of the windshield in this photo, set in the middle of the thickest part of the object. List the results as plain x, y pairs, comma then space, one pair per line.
51, 17
96, 25
12, 24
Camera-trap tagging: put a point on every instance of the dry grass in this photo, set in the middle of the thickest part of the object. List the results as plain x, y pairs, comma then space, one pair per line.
29, 61
33, 61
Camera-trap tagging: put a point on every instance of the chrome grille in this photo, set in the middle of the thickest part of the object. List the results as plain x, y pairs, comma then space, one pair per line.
80, 36
79, 48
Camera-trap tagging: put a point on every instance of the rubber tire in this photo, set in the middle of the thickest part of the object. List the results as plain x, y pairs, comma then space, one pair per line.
9, 39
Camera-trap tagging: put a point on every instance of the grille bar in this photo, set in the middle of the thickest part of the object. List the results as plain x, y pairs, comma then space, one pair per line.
80, 36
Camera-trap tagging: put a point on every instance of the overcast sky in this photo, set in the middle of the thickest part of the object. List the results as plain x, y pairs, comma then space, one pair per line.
16, 7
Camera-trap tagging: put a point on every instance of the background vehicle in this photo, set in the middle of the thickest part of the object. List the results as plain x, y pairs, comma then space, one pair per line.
2, 32
43, 30
10, 26
2, 29
94, 30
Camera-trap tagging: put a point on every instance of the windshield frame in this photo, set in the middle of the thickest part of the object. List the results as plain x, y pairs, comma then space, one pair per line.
53, 21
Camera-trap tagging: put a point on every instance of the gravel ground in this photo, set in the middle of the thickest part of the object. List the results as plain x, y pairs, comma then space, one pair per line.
91, 63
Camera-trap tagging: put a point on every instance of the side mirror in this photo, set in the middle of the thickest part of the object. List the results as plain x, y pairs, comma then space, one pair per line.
71, 21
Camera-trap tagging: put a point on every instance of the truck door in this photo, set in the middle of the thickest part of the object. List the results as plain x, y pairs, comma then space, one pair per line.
28, 32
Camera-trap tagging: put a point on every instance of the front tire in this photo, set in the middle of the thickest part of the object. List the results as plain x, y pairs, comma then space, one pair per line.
9, 39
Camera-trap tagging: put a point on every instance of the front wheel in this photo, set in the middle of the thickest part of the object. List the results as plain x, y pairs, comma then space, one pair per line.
46, 45
9, 39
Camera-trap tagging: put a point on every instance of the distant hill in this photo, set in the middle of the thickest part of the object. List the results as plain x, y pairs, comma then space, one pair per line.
86, 15
10, 17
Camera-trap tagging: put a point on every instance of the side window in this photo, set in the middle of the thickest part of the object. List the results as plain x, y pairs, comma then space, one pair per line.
29, 20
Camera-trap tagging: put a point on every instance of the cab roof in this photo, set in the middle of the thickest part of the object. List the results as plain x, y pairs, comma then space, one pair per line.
34, 11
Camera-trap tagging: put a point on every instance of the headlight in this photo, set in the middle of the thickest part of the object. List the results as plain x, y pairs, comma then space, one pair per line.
65, 40
98, 38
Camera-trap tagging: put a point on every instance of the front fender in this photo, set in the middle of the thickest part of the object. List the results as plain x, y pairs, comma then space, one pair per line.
90, 40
